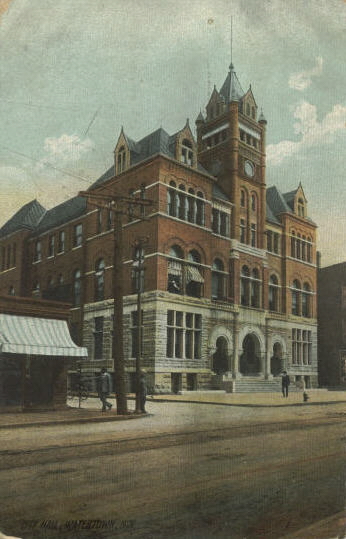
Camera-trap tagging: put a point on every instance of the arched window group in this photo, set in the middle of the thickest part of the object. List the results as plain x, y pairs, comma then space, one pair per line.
301, 299
301, 247
184, 275
250, 287
186, 205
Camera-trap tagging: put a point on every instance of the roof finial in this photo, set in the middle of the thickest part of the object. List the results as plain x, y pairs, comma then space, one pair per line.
231, 41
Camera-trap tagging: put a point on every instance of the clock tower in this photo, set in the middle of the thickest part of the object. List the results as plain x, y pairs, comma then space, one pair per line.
231, 146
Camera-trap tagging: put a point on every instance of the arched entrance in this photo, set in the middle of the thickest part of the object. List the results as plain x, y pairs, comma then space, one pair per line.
276, 359
220, 358
250, 360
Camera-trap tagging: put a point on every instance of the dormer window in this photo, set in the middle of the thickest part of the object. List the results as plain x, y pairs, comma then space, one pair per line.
186, 152
121, 159
301, 207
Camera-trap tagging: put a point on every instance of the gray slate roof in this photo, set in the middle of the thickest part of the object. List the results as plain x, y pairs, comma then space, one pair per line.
231, 89
276, 201
71, 209
27, 217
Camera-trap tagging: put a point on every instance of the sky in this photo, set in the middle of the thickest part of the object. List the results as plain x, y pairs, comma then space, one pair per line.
73, 72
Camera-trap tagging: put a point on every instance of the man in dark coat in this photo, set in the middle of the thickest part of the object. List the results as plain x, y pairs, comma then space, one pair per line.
104, 388
285, 382
142, 393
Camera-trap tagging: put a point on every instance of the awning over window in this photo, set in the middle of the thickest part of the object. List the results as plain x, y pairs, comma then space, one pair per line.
37, 336
194, 275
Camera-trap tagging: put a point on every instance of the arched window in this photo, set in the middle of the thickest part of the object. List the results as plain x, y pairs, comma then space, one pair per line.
309, 250
99, 280
175, 270
253, 202
200, 208
299, 246
306, 301
242, 231
218, 280
182, 203
77, 287
192, 207
245, 286
253, 235
194, 279
186, 152
242, 198
255, 288
121, 159
293, 245
303, 248
172, 200
38, 252
247, 109
273, 293
253, 113
296, 291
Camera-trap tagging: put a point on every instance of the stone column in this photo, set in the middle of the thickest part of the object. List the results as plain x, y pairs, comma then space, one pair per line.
235, 358
267, 353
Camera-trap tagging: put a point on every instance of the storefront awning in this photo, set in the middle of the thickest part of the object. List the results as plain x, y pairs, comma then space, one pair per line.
194, 275
37, 336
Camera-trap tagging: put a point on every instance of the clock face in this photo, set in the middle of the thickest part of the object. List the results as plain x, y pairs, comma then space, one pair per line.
249, 169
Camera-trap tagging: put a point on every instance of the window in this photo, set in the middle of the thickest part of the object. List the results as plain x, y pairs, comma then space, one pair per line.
301, 347
8, 263
242, 198
301, 247
296, 297
61, 241
186, 152
272, 242
194, 279
109, 219
99, 221
175, 270
220, 222
77, 287
77, 235
200, 209
253, 235
250, 287
14, 254
99, 280
51, 245
218, 280
98, 337
134, 333
184, 332
273, 293
11, 291
36, 288
38, 253
137, 267
3, 258
306, 301
253, 202
121, 160
242, 231
301, 207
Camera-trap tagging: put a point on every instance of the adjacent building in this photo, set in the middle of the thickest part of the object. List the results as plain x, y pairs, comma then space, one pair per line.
229, 286
332, 325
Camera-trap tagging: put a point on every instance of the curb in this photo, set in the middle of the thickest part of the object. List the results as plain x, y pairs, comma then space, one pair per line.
71, 421
246, 405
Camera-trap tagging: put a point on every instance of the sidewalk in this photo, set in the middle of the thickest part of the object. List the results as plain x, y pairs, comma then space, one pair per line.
90, 411
333, 527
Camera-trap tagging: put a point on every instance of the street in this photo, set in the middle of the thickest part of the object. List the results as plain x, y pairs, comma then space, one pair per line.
184, 471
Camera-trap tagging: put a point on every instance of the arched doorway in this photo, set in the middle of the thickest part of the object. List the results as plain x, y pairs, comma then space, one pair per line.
220, 358
276, 359
250, 360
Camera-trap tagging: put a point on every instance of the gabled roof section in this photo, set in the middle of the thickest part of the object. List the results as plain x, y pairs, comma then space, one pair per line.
27, 217
291, 196
231, 89
157, 142
57, 216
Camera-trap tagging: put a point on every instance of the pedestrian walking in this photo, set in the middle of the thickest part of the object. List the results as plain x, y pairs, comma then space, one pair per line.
104, 388
142, 393
285, 382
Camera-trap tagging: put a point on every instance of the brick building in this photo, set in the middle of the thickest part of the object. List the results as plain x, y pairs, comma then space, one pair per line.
332, 324
229, 292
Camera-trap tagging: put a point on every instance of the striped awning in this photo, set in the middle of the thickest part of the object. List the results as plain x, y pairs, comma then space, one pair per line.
193, 275
37, 336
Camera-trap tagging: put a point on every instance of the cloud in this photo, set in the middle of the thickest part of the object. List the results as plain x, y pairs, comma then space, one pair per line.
302, 80
67, 148
4, 6
311, 131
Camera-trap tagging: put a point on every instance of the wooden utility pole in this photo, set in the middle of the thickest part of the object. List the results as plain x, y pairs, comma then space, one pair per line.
121, 205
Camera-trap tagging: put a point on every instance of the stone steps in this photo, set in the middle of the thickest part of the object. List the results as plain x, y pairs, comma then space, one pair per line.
259, 385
